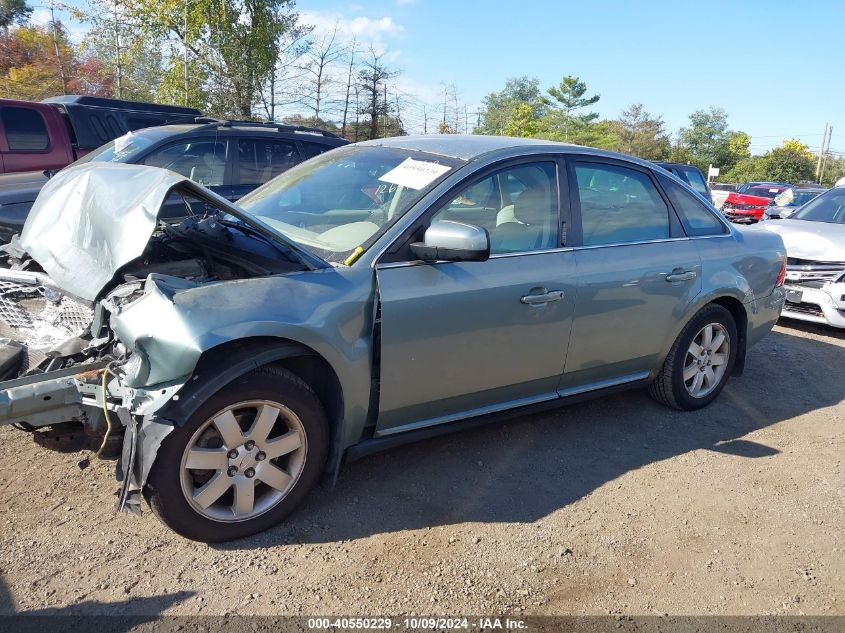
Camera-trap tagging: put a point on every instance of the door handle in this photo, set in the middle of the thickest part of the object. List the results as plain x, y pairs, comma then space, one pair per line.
687, 275
546, 297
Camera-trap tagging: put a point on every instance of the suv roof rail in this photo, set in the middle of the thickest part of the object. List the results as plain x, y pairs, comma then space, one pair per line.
281, 127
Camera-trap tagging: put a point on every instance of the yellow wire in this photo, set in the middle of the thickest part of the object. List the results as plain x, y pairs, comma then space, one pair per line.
106, 413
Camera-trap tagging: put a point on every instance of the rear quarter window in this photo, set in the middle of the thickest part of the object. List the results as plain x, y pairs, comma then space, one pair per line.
697, 218
25, 129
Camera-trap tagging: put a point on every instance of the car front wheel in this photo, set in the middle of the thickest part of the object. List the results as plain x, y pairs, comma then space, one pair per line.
243, 461
700, 361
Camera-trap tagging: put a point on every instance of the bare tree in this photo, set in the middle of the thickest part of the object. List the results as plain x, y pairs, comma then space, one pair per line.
281, 90
351, 50
372, 80
316, 70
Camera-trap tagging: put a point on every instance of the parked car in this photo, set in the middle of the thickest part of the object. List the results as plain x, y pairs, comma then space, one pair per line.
749, 202
229, 157
376, 294
815, 273
691, 175
53, 133
719, 192
789, 201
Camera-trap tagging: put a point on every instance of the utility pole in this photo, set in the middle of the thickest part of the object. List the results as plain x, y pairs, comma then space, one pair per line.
824, 153
821, 153
425, 120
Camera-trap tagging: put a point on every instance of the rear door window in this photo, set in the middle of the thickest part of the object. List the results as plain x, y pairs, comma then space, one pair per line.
619, 205
261, 160
201, 160
25, 129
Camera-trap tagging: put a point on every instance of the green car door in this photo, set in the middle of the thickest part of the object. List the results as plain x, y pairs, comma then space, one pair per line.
637, 275
465, 338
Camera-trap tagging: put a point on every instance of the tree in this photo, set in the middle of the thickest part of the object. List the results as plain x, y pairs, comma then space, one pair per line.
316, 72
745, 170
795, 145
372, 81
834, 169
322, 124
37, 62
789, 163
522, 121
738, 145
13, 12
641, 134
351, 51
500, 106
708, 141
569, 98
130, 58
226, 48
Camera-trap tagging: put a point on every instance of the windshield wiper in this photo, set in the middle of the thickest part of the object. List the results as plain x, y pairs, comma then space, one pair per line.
250, 231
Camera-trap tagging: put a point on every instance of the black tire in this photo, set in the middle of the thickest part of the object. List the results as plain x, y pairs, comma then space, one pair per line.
669, 388
164, 491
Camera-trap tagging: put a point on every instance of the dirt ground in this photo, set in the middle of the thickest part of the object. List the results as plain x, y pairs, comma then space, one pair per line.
612, 506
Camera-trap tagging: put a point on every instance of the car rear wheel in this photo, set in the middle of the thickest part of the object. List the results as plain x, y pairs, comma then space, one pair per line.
701, 360
243, 461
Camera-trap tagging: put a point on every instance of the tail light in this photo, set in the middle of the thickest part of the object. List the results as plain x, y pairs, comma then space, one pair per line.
781, 275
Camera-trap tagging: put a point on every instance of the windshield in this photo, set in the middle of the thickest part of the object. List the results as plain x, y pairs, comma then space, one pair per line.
827, 207
764, 192
345, 199
795, 197
118, 150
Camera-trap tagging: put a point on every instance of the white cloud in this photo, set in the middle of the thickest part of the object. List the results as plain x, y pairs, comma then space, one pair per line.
369, 28
364, 29
76, 32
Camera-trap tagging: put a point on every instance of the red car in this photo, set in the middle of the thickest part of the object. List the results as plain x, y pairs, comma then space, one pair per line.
748, 203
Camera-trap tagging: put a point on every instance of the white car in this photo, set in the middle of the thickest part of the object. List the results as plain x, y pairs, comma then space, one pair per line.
815, 247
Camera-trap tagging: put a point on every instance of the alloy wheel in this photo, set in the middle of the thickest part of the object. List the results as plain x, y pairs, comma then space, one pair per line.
243, 460
706, 360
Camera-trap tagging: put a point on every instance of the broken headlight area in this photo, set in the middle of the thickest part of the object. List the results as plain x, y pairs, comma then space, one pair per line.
46, 329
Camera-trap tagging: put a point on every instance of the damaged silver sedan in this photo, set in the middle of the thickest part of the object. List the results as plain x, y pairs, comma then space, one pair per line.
376, 294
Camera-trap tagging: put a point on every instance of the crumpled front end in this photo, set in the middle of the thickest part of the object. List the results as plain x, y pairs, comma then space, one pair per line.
93, 347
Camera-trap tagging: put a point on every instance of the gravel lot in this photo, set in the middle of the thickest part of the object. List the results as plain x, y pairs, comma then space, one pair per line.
612, 506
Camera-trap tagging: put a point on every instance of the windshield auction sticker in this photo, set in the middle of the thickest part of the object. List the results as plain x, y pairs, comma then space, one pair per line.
414, 174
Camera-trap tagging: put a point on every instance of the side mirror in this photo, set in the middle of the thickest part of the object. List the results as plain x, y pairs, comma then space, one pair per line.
453, 242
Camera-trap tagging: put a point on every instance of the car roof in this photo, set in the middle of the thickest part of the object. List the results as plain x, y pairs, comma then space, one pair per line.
160, 132
684, 165
472, 146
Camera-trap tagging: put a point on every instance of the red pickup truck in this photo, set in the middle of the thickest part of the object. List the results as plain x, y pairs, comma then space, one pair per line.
46, 135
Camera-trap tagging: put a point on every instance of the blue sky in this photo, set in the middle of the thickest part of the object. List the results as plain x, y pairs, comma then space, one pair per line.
776, 67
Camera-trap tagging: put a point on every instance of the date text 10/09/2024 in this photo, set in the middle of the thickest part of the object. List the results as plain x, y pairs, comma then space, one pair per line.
417, 623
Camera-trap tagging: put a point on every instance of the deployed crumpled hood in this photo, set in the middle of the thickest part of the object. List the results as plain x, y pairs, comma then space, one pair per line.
818, 241
89, 221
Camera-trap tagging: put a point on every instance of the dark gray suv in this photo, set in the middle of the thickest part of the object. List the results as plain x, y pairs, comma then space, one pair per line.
231, 158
